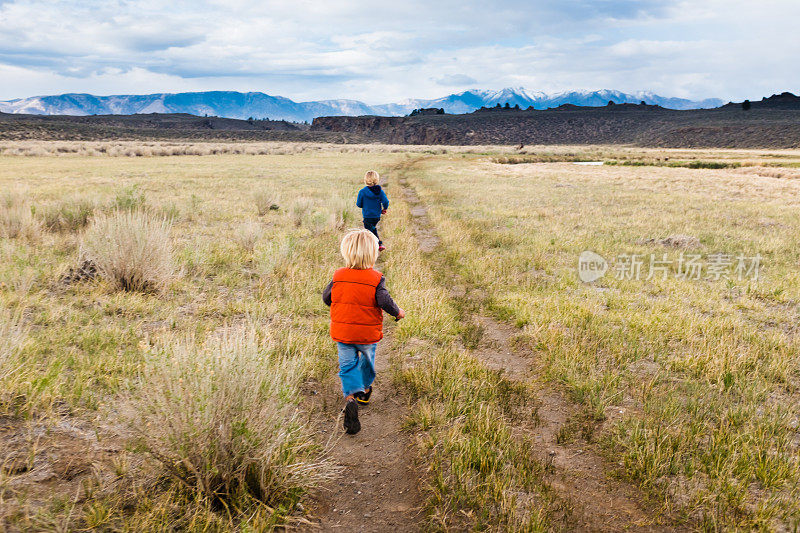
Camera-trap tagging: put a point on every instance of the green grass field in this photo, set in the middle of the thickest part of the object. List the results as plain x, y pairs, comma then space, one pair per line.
113, 401
694, 382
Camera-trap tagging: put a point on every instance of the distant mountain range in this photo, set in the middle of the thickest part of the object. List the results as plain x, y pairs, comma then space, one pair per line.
231, 104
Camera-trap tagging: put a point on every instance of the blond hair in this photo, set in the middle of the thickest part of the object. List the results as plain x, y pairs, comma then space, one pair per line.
372, 177
359, 249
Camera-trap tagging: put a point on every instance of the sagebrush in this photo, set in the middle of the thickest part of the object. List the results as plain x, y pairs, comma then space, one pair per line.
248, 234
131, 249
70, 215
17, 220
221, 419
265, 201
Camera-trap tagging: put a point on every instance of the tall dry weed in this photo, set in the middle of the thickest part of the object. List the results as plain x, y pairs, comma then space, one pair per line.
221, 420
17, 220
131, 249
265, 201
248, 234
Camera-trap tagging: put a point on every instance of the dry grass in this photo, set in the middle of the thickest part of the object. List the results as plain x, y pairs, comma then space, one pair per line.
248, 234
130, 198
706, 373
771, 172
221, 419
482, 473
168, 149
17, 220
301, 208
276, 257
69, 215
131, 249
693, 384
266, 201
527, 154
12, 336
89, 345
342, 214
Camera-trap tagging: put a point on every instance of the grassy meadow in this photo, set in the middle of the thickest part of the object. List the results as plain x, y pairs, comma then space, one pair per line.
126, 362
160, 315
690, 385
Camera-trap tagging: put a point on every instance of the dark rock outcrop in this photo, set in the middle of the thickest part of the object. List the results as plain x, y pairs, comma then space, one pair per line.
776, 125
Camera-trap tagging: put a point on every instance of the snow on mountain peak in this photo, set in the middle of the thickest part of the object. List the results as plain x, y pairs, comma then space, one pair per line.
260, 105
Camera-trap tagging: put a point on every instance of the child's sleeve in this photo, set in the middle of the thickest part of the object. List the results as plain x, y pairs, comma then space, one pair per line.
360, 199
384, 299
384, 200
326, 294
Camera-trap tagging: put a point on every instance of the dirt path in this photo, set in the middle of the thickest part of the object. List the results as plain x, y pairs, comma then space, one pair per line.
579, 473
378, 489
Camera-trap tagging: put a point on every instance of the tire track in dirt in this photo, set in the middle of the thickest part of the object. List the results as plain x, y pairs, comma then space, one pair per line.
579, 474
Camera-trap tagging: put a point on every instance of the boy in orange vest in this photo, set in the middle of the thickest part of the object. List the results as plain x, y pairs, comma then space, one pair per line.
357, 297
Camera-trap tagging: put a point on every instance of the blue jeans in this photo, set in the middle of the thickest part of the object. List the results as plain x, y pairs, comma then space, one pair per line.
371, 224
356, 366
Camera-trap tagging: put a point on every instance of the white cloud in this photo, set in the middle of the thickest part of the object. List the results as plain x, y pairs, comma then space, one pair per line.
380, 51
449, 80
31, 82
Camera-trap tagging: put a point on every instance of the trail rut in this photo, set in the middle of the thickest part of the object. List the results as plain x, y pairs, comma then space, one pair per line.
580, 475
379, 489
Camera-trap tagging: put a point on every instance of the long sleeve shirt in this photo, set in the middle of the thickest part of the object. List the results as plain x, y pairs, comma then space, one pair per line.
372, 200
382, 298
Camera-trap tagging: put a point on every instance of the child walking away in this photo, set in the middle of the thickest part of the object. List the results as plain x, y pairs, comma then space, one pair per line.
373, 203
357, 297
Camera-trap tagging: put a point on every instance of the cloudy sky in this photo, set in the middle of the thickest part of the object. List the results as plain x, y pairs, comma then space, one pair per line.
382, 51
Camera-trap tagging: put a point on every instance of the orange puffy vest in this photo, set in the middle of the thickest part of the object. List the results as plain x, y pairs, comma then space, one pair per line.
355, 315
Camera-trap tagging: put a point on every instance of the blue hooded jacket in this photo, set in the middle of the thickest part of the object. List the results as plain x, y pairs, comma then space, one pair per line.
372, 200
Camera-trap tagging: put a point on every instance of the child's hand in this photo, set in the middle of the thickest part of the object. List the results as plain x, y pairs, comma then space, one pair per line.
400, 314
383, 211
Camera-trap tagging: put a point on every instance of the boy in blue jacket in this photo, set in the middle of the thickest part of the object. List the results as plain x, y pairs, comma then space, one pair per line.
373, 203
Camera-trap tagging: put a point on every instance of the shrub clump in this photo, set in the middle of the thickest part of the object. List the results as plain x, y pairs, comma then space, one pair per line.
17, 220
248, 234
131, 249
130, 198
301, 207
265, 202
71, 215
340, 215
221, 420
